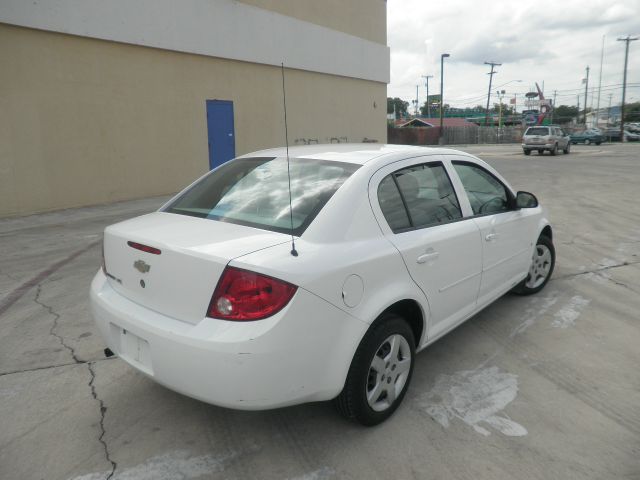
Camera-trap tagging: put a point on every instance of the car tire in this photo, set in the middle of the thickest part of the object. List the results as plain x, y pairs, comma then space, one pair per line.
598, 143
587, 141
376, 372
567, 149
554, 150
541, 269
527, 152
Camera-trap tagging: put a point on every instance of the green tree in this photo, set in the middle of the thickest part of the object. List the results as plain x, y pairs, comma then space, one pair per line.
632, 112
400, 106
565, 113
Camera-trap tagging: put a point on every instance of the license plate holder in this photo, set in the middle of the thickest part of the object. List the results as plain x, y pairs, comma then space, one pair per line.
134, 349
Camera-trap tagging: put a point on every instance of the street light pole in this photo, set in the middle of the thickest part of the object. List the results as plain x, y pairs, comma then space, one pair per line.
586, 90
426, 84
442, 57
628, 40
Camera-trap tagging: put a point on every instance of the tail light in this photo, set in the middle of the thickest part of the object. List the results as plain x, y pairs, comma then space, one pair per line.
244, 295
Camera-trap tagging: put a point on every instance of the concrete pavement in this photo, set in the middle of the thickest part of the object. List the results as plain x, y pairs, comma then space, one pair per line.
538, 387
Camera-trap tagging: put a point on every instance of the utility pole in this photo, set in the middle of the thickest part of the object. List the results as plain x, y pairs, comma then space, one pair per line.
578, 113
586, 87
426, 83
609, 110
442, 57
627, 40
416, 111
493, 64
599, 84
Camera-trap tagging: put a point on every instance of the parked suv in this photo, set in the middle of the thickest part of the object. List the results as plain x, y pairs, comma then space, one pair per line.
541, 138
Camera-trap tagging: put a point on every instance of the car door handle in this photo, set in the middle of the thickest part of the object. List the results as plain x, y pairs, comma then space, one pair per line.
491, 237
427, 256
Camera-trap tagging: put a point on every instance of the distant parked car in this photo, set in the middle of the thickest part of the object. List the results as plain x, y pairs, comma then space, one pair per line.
587, 137
541, 138
613, 135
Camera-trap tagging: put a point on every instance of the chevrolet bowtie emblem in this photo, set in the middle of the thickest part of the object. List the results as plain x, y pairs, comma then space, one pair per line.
141, 266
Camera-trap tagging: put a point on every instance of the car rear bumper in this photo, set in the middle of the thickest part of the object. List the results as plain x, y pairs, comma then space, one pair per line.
301, 354
537, 146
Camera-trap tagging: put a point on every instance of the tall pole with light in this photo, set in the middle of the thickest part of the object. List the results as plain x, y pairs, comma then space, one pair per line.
426, 84
442, 57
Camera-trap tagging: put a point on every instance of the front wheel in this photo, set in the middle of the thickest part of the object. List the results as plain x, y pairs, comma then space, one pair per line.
587, 142
542, 263
567, 149
527, 152
380, 372
554, 150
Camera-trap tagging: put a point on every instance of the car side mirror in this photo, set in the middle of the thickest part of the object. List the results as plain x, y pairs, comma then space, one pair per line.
526, 200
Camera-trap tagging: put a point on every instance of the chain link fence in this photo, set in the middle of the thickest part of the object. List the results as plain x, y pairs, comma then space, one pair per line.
454, 135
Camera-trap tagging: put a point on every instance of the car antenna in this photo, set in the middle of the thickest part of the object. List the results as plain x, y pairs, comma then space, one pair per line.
294, 252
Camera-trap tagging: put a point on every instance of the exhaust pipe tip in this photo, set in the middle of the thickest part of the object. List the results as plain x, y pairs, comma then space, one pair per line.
108, 353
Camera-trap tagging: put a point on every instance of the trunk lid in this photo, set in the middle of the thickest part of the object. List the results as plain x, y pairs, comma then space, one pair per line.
180, 281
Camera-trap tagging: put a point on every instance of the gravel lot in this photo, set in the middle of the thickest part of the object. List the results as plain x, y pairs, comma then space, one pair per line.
543, 387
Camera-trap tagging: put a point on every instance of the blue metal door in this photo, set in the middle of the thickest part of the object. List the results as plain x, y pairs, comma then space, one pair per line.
222, 143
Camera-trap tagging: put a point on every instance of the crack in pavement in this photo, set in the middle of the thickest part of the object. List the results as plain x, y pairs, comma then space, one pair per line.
48, 367
54, 327
596, 271
94, 394
103, 411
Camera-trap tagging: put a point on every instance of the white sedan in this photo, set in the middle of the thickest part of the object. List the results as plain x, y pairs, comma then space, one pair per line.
270, 282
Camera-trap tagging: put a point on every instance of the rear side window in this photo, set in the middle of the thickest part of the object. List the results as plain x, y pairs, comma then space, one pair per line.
537, 131
255, 192
486, 193
417, 197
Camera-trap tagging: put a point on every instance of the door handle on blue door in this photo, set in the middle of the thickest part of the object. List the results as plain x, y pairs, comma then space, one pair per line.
427, 257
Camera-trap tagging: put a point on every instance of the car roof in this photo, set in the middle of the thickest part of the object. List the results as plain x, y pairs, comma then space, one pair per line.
358, 153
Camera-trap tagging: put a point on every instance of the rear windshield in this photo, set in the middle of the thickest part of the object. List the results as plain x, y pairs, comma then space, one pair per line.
537, 131
255, 192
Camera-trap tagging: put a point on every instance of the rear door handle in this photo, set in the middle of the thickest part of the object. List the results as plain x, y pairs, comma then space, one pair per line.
427, 257
491, 237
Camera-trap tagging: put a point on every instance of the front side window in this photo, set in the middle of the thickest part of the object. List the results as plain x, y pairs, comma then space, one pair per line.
255, 192
486, 193
418, 197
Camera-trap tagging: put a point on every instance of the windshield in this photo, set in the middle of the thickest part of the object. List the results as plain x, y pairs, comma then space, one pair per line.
537, 131
255, 192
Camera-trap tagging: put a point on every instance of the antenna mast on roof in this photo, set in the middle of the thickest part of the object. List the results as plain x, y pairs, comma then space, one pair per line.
294, 252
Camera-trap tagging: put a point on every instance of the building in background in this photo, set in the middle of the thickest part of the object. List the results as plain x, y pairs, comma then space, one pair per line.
106, 101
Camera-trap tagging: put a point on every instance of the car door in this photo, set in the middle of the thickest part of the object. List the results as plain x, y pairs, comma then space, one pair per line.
506, 232
419, 212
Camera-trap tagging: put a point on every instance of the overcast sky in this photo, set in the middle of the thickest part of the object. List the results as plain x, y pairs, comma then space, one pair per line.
548, 41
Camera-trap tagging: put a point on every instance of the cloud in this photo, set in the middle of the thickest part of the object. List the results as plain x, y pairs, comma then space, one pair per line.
543, 41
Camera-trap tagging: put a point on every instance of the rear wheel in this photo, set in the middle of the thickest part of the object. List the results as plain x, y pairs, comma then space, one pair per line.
380, 372
554, 150
542, 263
567, 149
527, 152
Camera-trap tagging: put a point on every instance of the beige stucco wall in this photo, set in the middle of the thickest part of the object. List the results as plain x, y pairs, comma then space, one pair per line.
362, 18
87, 121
